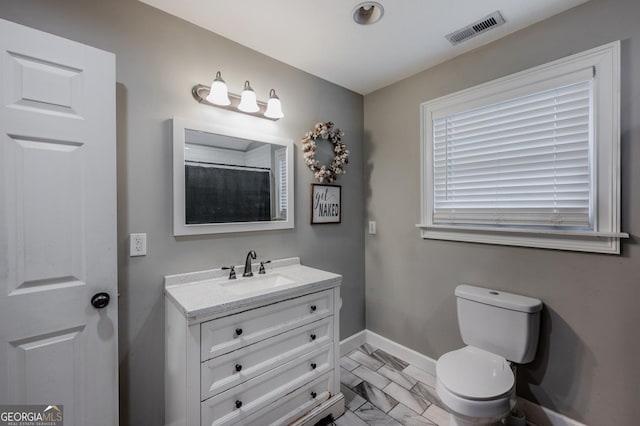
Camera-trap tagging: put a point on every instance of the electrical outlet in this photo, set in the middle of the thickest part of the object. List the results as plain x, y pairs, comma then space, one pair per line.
372, 227
138, 245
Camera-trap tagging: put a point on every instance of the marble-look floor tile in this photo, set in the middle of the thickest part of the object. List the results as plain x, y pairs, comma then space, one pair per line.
366, 360
349, 419
390, 360
437, 415
374, 417
352, 400
367, 349
371, 376
375, 396
408, 417
408, 398
398, 377
421, 375
349, 379
428, 393
348, 364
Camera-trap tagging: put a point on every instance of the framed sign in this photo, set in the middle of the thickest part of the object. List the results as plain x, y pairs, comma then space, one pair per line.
326, 204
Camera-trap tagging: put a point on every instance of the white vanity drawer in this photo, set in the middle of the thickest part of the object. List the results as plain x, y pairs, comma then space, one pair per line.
247, 398
227, 334
223, 372
293, 405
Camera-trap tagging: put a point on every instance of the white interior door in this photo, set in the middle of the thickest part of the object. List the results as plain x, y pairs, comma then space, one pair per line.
57, 225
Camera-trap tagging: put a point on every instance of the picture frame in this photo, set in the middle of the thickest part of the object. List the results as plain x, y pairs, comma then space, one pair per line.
326, 204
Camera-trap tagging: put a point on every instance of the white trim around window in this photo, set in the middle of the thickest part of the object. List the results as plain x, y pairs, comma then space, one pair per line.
460, 214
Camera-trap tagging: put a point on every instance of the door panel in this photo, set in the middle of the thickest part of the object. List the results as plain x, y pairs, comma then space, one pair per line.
57, 225
34, 379
47, 189
39, 84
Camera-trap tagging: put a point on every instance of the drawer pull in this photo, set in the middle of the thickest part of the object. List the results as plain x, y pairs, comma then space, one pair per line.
313, 365
238, 367
238, 404
313, 308
238, 331
313, 337
313, 395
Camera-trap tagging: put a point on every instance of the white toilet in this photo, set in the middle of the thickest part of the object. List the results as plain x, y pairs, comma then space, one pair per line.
476, 383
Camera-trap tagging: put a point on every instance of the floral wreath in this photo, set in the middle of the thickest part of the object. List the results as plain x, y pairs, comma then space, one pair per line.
340, 157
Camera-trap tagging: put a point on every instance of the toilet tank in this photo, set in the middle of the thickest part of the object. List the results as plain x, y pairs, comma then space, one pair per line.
502, 323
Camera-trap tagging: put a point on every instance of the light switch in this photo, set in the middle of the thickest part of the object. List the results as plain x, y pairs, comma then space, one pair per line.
372, 227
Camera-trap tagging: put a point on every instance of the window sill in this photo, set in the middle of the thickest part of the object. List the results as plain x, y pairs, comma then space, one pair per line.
585, 241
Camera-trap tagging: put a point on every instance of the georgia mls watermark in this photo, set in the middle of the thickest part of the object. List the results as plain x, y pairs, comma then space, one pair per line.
31, 415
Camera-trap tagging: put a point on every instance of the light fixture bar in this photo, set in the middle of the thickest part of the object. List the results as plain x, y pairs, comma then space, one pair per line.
200, 93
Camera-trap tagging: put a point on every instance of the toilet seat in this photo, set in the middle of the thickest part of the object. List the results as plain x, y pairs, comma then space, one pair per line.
473, 383
475, 374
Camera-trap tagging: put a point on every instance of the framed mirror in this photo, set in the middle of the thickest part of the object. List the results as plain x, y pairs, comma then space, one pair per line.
230, 180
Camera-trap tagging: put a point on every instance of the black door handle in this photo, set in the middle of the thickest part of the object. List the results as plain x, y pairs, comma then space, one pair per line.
100, 300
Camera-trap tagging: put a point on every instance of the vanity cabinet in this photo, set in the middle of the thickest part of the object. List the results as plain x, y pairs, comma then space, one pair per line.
269, 358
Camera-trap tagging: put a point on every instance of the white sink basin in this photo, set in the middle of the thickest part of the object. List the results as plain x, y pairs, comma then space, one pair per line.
256, 283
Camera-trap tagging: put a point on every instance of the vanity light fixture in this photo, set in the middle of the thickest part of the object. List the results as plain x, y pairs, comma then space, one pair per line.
248, 101
274, 108
218, 95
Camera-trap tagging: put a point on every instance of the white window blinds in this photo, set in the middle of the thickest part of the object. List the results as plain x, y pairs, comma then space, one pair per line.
282, 181
522, 162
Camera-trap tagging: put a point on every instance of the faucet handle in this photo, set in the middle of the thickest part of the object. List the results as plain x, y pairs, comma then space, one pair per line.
262, 263
232, 271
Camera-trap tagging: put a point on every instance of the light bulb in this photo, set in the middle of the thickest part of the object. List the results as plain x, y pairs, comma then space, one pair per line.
274, 107
248, 102
219, 94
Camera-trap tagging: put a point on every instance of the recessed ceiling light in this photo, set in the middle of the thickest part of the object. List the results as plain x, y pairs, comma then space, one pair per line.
368, 13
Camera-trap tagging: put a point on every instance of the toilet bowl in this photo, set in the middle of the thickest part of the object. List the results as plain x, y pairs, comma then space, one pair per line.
477, 383
477, 386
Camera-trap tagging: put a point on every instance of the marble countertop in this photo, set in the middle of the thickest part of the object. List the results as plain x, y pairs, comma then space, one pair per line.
203, 294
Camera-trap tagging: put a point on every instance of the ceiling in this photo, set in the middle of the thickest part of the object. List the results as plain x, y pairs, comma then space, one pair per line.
321, 38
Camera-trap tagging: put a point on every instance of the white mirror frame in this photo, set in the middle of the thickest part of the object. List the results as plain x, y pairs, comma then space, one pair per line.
179, 223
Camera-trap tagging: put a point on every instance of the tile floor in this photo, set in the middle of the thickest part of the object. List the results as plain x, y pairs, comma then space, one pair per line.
381, 389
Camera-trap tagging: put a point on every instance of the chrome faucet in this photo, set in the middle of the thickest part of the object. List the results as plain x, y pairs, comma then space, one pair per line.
247, 264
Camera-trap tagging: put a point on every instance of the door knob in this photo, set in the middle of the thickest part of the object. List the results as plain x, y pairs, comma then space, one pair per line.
100, 300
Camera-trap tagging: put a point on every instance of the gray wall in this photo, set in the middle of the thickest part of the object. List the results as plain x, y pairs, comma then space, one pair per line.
586, 364
159, 58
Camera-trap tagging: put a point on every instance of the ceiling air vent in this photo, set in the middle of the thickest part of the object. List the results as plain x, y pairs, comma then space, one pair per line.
470, 31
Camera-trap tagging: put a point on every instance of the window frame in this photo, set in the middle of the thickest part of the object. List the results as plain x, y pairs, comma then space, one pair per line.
605, 236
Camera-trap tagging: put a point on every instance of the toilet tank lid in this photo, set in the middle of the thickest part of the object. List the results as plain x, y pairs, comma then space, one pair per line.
502, 299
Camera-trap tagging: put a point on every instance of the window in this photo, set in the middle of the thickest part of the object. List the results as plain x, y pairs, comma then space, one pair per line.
281, 182
531, 159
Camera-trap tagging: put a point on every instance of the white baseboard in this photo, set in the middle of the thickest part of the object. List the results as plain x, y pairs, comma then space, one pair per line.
414, 358
353, 342
536, 415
